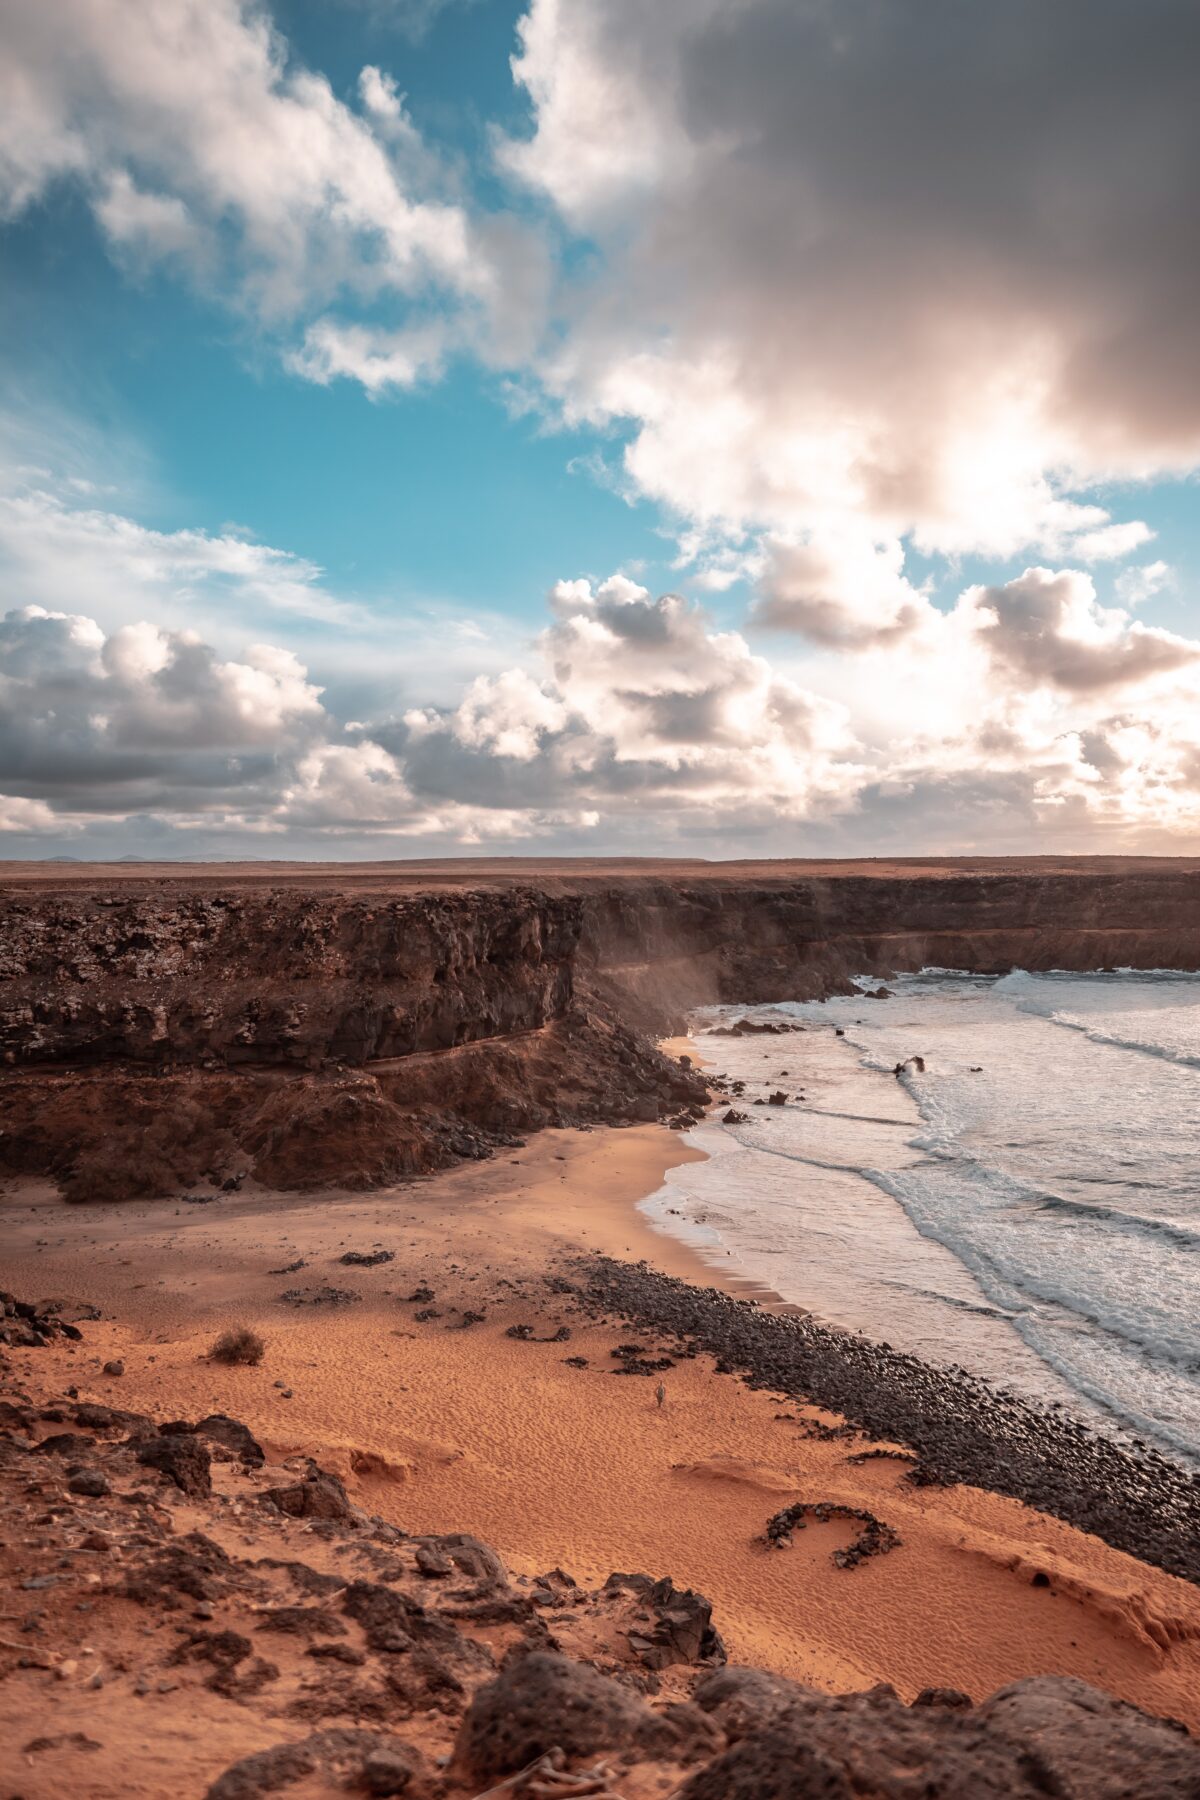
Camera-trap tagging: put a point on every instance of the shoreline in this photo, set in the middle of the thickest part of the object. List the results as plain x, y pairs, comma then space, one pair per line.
958, 1428
939, 1243
439, 1424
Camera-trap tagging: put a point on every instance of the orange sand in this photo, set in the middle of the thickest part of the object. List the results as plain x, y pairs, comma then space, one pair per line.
446, 1429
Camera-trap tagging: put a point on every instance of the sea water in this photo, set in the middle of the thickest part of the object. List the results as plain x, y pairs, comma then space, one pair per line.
1026, 1206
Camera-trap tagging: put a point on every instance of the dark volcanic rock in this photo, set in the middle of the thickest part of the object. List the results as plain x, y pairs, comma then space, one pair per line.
1049, 1736
388, 1619
112, 1418
874, 1539
1096, 1746
744, 1701
232, 1435
474, 1558
193, 1566
342, 1759
182, 1460
320, 1495
224, 1648
66, 1443
680, 1627
91, 1484
300, 1621
319, 1296
395, 1623
367, 1259
266, 1772
944, 1696
781, 1765
391, 1770
542, 1702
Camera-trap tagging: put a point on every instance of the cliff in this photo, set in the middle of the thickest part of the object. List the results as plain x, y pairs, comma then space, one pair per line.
169, 1025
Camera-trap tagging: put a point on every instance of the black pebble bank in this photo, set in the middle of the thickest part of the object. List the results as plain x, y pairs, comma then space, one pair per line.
961, 1428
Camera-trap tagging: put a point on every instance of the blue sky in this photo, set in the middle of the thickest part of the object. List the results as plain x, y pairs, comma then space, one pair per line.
688, 439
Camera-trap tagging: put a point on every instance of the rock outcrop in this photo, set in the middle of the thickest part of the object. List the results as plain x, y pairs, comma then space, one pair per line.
236, 1646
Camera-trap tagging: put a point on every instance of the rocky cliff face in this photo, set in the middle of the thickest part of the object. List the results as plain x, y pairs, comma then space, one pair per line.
674, 944
154, 1040
283, 978
342, 1026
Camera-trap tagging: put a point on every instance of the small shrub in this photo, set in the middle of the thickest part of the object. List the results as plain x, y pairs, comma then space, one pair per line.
238, 1345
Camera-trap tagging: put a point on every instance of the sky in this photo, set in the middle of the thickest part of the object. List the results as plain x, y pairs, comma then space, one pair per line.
708, 428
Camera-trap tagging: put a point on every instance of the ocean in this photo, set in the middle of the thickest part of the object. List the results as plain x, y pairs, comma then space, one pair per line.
1027, 1206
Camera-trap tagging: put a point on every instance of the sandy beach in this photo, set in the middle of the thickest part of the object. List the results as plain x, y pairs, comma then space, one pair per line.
437, 1426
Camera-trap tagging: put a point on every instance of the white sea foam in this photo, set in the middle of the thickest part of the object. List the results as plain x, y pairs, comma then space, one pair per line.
1027, 1206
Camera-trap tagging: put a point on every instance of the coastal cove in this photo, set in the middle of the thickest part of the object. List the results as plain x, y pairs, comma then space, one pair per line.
599, 900
430, 1144
1024, 1205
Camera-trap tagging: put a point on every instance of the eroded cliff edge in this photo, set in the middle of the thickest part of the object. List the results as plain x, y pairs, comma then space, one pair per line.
173, 1026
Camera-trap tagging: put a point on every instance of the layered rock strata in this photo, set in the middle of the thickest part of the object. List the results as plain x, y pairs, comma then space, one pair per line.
316, 1026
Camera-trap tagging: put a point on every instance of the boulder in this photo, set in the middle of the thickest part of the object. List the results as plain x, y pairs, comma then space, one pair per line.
90, 1484
340, 1759
320, 1495
182, 1460
232, 1435
680, 1627
476, 1560
541, 1702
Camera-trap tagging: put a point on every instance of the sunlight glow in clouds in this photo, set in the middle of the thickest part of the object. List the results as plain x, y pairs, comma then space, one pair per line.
848, 287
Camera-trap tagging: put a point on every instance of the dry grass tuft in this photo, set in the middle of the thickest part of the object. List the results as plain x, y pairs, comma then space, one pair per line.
238, 1345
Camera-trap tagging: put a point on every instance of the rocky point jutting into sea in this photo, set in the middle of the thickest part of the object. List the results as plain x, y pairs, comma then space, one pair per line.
171, 1025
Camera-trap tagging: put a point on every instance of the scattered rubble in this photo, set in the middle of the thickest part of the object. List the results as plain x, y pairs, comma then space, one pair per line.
319, 1296
875, 1538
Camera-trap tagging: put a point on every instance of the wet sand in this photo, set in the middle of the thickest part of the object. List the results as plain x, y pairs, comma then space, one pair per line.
437, 1427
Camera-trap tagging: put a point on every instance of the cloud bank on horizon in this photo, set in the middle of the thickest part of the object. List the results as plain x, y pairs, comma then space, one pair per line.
886, 312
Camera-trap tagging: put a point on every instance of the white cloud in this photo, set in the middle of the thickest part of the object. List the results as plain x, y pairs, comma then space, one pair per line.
379, 360
1047, 628
148, 227
1027, 713
839, 590
30, 817
1141, 583
508, 715
142, 718
58, 553
197, 134
844, 289
644, 708
840, 300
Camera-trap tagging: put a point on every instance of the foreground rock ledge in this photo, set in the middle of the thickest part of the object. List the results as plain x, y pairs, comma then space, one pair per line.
218, 1594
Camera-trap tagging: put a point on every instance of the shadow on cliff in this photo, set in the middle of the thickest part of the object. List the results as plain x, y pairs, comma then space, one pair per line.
124, 1132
